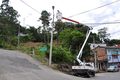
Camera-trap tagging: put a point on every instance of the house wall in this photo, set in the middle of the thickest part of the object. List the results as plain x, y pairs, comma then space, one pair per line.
101, 54
106, 56
113, 55
101, 57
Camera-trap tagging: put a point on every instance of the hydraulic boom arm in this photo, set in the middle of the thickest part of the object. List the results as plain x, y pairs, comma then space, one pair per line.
80, 52
84, 69
87, 36
59, 16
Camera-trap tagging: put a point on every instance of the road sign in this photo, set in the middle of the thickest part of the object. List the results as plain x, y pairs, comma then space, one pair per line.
43, 49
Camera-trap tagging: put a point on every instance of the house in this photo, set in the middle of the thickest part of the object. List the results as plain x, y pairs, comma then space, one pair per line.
106, 56
94, 45
113, 55
100, 58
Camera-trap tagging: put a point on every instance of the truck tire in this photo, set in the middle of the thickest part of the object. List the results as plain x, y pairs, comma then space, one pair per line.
90, 74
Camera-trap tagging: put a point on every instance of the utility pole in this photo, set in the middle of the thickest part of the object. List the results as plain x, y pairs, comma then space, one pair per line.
51, 42
18, 36
95, 55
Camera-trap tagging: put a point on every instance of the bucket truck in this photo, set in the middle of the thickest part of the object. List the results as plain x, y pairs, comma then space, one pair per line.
83, 69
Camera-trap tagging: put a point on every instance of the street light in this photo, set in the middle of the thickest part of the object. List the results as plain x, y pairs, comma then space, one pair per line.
51, 42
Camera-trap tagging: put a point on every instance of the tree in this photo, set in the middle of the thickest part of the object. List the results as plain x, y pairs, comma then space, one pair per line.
8, 12
62, 55
8, 20
33, 34
94, 38
71, 39
113, 42
103, 35
59, 26
45, 18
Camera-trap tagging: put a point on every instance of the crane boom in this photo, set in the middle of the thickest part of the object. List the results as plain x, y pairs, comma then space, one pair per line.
83, 68
80, 52
87, 36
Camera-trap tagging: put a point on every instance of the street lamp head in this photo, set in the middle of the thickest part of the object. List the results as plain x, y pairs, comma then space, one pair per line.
53, 7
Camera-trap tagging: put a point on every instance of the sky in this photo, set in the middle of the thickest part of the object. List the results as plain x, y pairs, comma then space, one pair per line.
69, 9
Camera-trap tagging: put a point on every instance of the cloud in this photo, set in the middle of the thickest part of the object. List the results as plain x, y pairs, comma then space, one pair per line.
109, 13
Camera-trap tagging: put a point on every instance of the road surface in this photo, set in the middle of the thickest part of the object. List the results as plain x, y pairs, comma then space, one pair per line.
107, 76
15, 65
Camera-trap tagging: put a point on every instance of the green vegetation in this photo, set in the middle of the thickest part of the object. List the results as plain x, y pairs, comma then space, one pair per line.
62, 55
68, 37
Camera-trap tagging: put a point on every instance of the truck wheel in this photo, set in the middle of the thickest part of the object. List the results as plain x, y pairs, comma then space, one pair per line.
75, 74
88, 74
93, 74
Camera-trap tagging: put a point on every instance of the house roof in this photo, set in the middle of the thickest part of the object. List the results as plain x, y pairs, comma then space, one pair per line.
108, 47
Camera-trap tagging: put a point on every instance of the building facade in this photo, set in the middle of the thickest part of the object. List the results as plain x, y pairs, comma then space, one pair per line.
106, 56
100, 58
113, 55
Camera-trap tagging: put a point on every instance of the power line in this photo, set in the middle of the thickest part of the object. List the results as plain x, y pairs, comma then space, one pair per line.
94, 8
115, 32
102, 23
30, 6
81, 13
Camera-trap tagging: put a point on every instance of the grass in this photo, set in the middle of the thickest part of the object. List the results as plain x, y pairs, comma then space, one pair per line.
28, 49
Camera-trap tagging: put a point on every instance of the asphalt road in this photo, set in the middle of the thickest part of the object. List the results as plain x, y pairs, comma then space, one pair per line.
107, 76
15, 65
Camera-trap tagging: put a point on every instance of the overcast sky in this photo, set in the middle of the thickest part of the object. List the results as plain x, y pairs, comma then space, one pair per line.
110, 13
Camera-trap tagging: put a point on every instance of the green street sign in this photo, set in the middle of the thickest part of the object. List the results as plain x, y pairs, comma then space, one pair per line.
43, 49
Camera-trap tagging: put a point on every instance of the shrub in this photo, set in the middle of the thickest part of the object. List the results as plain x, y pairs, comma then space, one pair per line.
62, 55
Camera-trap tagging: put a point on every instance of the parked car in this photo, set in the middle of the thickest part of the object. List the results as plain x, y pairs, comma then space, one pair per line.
113, 68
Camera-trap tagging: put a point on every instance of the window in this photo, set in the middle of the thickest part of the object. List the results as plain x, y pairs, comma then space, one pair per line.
114, 56
109, 58
114, 53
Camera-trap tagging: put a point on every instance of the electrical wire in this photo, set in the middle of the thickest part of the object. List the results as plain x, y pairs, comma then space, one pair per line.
83, 13
94, 8
102, 23
30, 6
115, 32
72, 15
